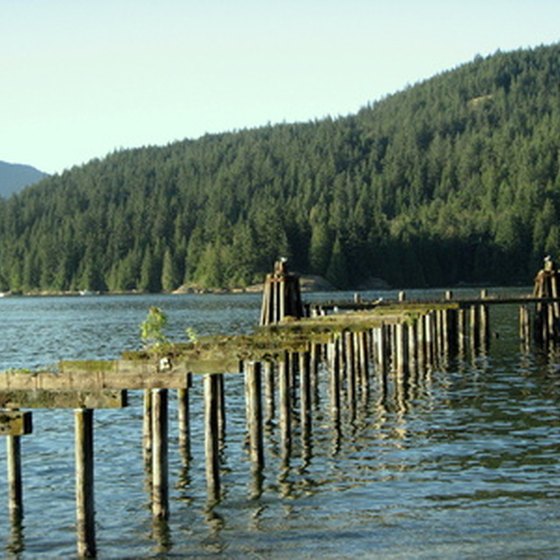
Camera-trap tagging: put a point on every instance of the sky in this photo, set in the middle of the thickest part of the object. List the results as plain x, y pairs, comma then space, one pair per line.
80, 79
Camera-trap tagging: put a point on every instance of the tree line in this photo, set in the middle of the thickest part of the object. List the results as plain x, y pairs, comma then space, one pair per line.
455, 179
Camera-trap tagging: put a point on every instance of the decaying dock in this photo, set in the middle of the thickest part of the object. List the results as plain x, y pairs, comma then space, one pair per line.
353, 348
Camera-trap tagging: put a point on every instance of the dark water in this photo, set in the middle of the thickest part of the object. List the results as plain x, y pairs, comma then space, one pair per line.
465, 465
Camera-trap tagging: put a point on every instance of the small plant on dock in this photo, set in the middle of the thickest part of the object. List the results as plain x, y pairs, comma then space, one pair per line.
152, 330
192, 335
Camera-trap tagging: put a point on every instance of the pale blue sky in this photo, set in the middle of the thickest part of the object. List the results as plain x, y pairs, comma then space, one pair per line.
80, 78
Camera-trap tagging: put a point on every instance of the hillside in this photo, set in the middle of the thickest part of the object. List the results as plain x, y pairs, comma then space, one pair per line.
15, 177
455, 179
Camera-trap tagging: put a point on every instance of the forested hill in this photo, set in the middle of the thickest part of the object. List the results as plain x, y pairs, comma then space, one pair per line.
455, 179
14, 177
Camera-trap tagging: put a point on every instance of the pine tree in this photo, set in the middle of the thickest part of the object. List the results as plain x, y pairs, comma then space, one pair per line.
337, 271
169, 281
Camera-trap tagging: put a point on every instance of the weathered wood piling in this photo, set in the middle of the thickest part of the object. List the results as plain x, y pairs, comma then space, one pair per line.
547, 313
281, 295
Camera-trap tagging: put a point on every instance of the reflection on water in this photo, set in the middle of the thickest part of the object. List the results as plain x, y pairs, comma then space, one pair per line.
461, 461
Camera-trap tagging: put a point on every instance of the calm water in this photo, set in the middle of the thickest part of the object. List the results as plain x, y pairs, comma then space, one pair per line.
467, 466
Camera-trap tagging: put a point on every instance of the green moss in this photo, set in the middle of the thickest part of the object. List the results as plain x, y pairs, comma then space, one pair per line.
88, 365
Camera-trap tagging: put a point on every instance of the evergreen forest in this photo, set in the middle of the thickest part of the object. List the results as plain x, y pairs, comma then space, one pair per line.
453, 180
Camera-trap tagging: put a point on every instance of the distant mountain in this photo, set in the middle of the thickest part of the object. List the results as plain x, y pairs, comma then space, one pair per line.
14, 177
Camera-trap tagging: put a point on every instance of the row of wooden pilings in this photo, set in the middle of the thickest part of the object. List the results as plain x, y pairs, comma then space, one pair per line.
284, 390
281, 391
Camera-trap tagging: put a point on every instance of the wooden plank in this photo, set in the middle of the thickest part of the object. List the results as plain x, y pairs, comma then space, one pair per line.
15, 423
80, 376
40, 398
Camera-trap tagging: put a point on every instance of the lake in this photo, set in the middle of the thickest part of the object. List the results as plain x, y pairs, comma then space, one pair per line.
468, 466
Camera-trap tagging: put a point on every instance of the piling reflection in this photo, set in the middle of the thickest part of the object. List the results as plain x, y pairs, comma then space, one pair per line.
214, 543
256, 484
16, 544
161, 534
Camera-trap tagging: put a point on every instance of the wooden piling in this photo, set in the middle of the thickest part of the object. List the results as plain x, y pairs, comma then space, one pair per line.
484, 326
305, 398
547, 314
15, 485
220, 390
183, 420
420, 344
363, 361
254, 413
474, 328
412, 337
85, 508
315, 357
160, 483
401, 350
147, 428
281, 296
285, 407
429, 344
350, 368
211, 437
525, 325
334, 381
269, 387
382, 349
438, 334
462, 332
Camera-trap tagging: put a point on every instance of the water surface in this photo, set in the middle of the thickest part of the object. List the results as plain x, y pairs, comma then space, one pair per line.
463, 464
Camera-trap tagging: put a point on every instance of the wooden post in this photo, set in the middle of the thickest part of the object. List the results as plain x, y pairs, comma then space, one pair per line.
183, 418
401, 349
160, 486
147, 429
525, 326
211, 437
334, 381
412, 336
484, 335
445, 332
269, 407
315, 358
474, 328
285, 416
461, 331
254, 413
350, 374
421, 344
436, 314
15, 486
382, 350
281, 295
85, 508
220, 379
334, 365
453, 326
305, 399
13, 424
363, 352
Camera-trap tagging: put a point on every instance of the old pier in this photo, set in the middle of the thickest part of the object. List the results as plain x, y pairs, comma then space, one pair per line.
351, 349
